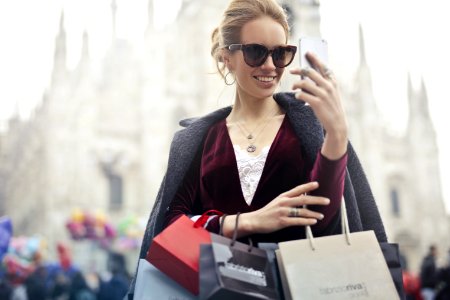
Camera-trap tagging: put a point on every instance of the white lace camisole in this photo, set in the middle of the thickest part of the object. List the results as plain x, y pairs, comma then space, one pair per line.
250, 170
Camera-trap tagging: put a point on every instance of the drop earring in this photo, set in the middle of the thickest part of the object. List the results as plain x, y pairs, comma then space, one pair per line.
226, 79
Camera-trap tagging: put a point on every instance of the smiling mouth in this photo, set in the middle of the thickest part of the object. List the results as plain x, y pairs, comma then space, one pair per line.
265, 78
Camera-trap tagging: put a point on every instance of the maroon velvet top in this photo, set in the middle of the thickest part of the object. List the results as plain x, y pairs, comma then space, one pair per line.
213, 181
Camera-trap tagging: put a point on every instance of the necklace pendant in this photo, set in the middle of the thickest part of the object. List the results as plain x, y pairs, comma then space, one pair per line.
251, 148
250, 136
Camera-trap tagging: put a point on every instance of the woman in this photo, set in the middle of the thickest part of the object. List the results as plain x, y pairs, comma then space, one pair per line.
266, 156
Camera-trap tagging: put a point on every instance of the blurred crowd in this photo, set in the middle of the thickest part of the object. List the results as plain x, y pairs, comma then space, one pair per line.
27, 274
63, 281
432, 282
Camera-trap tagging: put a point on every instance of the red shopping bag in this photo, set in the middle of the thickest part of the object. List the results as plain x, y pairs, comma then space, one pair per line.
176, 250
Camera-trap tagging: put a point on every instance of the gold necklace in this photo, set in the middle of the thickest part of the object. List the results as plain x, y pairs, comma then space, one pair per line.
251, 138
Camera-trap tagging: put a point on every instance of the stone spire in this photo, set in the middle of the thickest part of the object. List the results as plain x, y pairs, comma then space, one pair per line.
363, 114
83, 64
410, 89
60, 53
85, 47
424, 96
363, 79
362, 47
150, 29
419, 112
150, 14
114, 15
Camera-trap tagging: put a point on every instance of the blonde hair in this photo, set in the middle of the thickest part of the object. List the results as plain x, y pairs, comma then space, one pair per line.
238, 13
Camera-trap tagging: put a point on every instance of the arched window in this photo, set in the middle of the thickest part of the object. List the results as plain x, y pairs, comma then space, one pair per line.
115, 186
395, 202
115, 191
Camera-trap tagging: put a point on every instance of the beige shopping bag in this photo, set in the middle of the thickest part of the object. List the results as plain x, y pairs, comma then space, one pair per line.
338, 267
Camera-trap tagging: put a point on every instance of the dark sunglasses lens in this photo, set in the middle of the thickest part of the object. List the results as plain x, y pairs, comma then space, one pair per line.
255, 55
282, 56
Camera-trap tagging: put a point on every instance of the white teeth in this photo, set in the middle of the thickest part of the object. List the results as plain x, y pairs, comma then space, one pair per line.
265, 78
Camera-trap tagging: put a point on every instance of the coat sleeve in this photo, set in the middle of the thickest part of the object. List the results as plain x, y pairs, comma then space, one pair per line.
366, 206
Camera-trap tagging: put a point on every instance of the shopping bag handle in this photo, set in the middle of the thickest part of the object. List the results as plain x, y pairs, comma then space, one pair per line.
222, 221
344, 226
205, 216
235, 232
234, 238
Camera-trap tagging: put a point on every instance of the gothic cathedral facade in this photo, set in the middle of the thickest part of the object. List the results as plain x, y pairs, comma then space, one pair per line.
100, 136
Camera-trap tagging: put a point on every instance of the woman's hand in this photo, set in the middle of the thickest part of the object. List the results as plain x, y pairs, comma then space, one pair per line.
321, 92
284, 211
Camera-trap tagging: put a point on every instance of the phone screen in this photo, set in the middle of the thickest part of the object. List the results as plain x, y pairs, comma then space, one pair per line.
316, 45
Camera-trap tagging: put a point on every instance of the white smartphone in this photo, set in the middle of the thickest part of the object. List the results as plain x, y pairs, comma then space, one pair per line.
316, 45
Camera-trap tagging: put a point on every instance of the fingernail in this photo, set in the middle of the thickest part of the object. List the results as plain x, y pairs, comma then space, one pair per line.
321, 217
314, 221
327, 201
297, 94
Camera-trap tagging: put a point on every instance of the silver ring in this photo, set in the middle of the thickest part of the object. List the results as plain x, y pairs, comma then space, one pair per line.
328, 73
294, 212
305, 71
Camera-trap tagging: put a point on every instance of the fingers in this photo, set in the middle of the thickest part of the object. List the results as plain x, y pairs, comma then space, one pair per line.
309, 92
315, 90
319, 73
324, 71
305, 200
296, 212
318, 77
300, 217
296, 216
298, 221
315, 61
301, 189
320, 66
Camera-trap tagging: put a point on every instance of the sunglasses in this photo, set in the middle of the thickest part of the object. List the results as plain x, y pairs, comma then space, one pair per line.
255, 55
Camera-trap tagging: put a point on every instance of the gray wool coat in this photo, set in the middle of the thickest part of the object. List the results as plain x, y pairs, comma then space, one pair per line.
362, 210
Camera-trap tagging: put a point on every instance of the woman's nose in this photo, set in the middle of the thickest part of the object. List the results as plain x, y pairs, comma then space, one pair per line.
268, 64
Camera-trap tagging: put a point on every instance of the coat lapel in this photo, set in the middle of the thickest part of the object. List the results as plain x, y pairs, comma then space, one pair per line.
304, 122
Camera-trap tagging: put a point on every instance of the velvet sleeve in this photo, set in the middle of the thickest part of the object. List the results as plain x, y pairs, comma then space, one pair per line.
330, 174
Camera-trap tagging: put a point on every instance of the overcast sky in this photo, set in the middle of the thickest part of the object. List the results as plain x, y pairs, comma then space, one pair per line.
401, 36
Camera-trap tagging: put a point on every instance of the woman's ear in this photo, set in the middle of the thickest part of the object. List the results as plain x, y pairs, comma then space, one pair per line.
226, 59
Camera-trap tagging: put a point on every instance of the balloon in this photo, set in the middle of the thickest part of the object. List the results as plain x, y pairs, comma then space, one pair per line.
77, 230
100, 218
110, 232
33, 244
77, 215
93, 226
123, 225
89, 220
16, 269
131, 226
5, 235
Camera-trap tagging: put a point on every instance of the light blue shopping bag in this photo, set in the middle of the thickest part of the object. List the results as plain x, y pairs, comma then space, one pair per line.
152, 284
